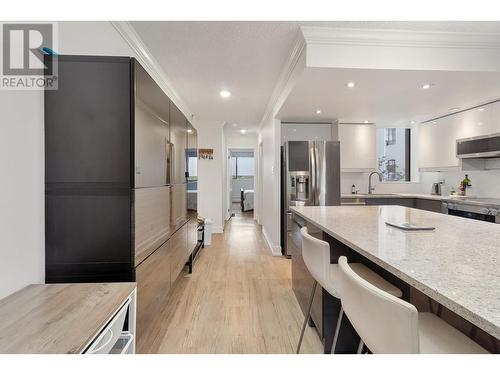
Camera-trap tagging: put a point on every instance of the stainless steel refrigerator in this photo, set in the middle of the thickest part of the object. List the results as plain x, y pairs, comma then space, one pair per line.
310, 176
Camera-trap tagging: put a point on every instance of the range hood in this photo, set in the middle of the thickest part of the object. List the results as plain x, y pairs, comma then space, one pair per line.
481, 147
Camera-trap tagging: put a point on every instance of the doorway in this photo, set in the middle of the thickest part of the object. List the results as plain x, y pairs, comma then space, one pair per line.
242, 176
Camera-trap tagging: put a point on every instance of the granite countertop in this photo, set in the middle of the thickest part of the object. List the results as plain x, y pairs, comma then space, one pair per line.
457, 264
57, 318
489, 202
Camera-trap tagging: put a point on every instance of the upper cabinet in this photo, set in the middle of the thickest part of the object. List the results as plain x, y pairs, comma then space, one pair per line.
358, 147
151, 130
178, 140
437, 140
87, 121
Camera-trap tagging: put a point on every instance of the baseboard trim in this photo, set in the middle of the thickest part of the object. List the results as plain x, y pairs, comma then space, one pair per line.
217, 229
275, 250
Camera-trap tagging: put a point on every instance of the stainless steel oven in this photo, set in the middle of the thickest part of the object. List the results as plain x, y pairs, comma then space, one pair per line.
472, 211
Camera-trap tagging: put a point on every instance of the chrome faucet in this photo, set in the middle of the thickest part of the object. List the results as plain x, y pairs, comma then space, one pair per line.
370, 187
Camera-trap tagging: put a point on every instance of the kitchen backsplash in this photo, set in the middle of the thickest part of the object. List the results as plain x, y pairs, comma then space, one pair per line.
484, 183
361, 182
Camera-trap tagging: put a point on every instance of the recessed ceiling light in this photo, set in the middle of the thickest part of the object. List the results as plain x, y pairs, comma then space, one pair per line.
190, 130
318, 111
350, 84
243, 131
434, 122
412, 121
225, 94
366, 121
454, 109
294, 130
427, 86
480, 109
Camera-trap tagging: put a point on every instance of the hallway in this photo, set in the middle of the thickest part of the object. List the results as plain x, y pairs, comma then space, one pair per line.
238, 300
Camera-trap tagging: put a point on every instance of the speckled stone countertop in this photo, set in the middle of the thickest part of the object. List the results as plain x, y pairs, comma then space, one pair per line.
457, 264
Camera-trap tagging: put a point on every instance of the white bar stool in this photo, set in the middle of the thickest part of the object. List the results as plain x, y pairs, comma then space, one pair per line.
316, 255
389, 325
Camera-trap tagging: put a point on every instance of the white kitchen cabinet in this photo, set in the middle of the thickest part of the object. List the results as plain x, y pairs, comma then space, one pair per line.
358, 147
437, 141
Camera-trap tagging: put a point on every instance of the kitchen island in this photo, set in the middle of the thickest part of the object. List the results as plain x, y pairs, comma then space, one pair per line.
453, 270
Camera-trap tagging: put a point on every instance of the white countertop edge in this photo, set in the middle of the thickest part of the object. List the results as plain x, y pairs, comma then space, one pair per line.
445, 301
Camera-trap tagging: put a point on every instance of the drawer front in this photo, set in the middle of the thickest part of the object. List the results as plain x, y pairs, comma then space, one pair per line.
111, 333
406, 202
153, 287
192, 235
178, 252
429, 205
152, 220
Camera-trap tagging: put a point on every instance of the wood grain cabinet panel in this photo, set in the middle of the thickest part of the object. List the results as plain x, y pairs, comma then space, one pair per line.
178, 252
152, 220
192, 236
153, 287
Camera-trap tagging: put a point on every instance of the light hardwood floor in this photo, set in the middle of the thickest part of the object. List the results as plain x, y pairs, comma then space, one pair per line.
238, 300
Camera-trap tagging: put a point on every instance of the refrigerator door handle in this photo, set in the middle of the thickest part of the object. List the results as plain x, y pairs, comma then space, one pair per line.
320, 173
169, 154
317, 172
312, 169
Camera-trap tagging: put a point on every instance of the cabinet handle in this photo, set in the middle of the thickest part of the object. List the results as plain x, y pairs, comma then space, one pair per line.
106, 343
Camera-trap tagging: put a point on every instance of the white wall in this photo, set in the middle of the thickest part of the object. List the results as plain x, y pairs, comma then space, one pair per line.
236, 140
22, 250
211, 174
271, 169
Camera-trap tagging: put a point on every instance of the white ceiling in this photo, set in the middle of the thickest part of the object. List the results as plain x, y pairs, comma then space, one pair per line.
386, 97
246, 58
203, 58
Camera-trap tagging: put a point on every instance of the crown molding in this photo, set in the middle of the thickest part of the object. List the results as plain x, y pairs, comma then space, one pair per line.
152, 66
286, 76
399, 38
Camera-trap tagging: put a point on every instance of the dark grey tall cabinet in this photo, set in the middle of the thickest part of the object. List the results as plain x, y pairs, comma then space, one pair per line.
115, 185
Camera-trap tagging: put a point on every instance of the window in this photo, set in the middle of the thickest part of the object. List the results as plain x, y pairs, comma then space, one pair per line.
393, 153
192, 163
193, 167
242, 166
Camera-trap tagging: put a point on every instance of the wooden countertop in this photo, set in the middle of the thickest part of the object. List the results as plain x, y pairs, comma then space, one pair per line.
57, 318
457, 264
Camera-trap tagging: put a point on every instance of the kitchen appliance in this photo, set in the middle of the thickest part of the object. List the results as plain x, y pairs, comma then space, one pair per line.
436, 188
484, 209
310, 176
485, 146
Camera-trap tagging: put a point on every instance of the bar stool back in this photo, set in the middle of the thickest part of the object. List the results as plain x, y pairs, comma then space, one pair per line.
386, 324
389, 325
316, 255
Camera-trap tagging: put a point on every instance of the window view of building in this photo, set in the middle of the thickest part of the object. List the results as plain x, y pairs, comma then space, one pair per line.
393, 153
